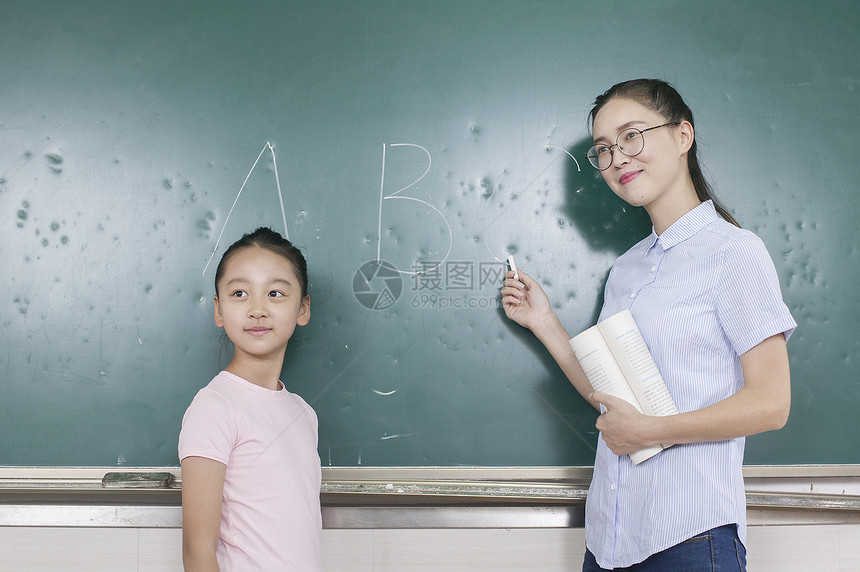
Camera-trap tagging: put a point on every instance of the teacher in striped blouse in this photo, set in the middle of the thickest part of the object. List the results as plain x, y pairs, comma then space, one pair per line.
706, 297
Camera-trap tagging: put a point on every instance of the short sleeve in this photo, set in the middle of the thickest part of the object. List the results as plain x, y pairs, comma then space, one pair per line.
208, 428
312, 415
749, 301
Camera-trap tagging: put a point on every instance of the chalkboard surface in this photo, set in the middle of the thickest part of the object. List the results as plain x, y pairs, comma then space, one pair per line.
434, 136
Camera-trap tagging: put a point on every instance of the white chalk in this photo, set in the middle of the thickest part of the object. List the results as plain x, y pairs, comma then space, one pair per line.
513, 266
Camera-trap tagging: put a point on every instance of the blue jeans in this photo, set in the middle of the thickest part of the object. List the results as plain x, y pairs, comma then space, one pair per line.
717, 550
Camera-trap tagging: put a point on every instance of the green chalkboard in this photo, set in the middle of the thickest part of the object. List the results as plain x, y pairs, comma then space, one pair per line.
435, 136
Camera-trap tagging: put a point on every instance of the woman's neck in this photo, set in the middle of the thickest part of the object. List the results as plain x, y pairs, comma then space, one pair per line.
671, 206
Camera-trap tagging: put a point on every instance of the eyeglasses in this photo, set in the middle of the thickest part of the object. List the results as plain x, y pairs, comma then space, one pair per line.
630, 142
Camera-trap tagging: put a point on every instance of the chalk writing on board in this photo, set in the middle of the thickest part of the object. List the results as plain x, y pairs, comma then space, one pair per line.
397, 195
845, 197
493, 248
271, 149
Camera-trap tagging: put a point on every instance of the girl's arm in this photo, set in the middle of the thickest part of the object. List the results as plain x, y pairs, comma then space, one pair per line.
525, 302
761, 405
202, 496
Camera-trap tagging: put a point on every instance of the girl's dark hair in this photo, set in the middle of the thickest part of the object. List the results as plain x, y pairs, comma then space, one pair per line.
267, 238
661, 97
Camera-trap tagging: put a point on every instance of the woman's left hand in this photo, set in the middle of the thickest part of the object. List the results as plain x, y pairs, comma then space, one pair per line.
621, 425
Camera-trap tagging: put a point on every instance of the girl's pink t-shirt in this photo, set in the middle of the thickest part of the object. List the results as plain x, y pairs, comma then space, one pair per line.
270, 516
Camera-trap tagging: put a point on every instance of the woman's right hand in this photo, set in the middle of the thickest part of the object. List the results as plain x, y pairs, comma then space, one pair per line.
524, 301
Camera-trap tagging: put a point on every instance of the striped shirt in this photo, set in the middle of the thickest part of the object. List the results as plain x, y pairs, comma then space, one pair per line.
702, 293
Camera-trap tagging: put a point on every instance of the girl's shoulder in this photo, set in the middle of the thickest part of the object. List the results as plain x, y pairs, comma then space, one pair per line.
215, 395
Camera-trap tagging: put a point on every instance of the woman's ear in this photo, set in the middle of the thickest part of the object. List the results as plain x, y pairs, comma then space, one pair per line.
686, 135
219, 320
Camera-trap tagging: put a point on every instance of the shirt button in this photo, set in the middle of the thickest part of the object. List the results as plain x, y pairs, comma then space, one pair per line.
653, 268
632, 295
612, 487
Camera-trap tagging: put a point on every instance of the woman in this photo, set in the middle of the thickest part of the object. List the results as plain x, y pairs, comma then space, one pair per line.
706, 298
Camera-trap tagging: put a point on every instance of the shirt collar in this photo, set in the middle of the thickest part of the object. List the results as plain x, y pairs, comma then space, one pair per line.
686, 226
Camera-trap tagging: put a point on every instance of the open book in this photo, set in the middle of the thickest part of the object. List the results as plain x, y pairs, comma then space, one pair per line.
616, 361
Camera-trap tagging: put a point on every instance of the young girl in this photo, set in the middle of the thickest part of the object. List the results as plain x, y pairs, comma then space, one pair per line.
706, 297
248, 447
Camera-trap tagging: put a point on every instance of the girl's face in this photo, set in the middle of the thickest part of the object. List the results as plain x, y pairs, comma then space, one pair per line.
260, 303
656, 174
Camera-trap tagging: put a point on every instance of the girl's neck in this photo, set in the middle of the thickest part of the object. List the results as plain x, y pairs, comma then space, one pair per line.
265, 374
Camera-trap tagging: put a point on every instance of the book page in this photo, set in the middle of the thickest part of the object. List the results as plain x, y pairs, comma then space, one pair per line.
626, 343
603, 372
646, 453
600, 367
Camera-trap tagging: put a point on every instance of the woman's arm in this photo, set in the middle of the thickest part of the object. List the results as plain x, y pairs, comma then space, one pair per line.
525, 302
202, 496
761, 405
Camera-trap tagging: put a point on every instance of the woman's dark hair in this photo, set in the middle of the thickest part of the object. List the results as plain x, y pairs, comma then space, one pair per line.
267, 238
661, 97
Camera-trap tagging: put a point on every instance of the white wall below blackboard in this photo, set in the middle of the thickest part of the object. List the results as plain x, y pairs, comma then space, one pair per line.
782, 548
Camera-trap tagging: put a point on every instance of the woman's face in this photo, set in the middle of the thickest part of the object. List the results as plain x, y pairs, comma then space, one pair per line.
660, 170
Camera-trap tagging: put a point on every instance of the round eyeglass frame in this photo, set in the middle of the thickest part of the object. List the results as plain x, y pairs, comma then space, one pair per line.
593, 158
